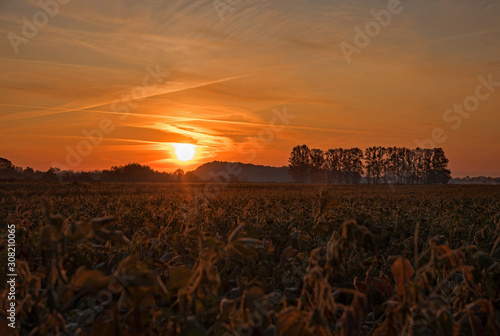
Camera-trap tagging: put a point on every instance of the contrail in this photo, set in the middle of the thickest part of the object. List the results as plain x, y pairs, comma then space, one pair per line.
33, 114
65, 110
107, 139
181, 119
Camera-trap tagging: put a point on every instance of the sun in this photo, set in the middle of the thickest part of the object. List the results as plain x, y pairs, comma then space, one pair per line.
184, 151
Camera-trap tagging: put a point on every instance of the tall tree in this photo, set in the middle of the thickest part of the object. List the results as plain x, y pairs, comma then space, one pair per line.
438, 169
333, 165
355, 165
317, 162
299, 163
345, 165
439, 160
375, 163
392, 164
370, 163
426, 164
419, 165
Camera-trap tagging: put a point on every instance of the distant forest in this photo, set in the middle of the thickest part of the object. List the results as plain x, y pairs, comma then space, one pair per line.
132, 172
374, 165
397, 165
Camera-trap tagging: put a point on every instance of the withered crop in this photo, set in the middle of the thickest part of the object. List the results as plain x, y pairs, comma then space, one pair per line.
151, 259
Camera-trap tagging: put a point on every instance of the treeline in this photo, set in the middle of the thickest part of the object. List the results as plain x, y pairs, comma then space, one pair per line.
135, 172
132, 172
397, 165
476, 180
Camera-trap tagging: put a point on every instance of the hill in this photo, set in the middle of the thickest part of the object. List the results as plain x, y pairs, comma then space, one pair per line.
242, 172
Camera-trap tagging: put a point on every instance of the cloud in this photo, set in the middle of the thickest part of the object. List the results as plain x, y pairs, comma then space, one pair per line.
226, 76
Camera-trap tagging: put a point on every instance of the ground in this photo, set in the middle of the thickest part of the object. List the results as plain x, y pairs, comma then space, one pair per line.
261, 259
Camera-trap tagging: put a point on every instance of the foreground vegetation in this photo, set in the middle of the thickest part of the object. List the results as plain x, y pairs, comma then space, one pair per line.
159, 259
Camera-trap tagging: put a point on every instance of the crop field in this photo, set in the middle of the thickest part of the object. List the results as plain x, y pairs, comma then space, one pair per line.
247, 259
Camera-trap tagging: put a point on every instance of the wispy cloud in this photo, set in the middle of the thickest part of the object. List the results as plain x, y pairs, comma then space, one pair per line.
226, 76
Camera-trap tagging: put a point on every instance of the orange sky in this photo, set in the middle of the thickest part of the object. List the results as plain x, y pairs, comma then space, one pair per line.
223, 81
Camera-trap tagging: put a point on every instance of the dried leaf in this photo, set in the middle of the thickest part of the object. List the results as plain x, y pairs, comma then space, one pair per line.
382, 286
402, 271
179, 278
290, 322
192, 328
454, 257
445, 322
90, 281
47, 237
116, 236
235, 232
226, 309
350, 325
243, 250
77, 231
98, 223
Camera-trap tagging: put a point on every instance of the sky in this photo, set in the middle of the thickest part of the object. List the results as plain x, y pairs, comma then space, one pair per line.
92, 84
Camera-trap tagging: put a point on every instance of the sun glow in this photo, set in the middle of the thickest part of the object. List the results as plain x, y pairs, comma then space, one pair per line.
184, 151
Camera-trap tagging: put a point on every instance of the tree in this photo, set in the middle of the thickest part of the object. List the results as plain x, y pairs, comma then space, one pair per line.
394, 160
438, 176
402, 169
8, 170
299, 163
29, 171
438, 172
392, 164
344, 165
376, 164
354, 156
135, 172
178, 175
191, 177
317, 162
50, 175
370, 165
439, 161
332, 165
6, 164
419, 165
426, 164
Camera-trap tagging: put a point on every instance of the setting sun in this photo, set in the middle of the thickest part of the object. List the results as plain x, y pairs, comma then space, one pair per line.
184, 151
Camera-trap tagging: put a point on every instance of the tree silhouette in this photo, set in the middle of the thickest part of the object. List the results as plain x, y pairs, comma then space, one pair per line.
178, 175
135, 172
390, 165
438, 171
353, 166
8, 170
6, 164
333, 165
376, 164
317, 159
300, 163
28, 171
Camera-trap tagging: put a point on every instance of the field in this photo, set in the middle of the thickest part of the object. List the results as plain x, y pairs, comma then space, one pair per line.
194, 259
